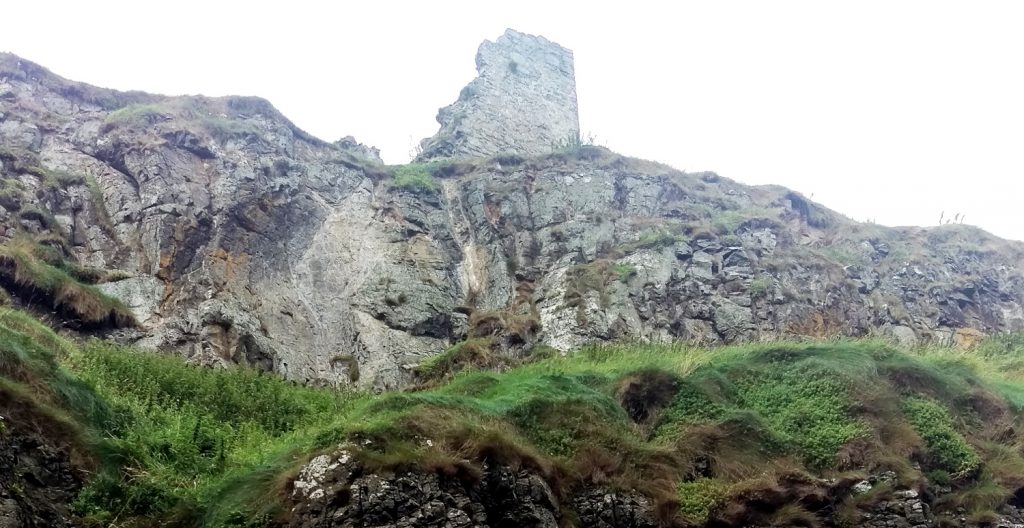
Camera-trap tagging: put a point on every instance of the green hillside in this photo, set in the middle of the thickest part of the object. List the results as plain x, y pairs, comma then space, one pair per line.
703, 432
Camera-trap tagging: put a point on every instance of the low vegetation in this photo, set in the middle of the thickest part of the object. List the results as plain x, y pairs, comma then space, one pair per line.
136, 115
220, 118
727, 222
188, 435
418, 177
652, 239
573, 142
736, 434
422, 177
40, 273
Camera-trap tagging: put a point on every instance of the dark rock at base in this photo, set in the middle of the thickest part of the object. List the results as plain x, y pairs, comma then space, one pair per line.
37, 482
335, 492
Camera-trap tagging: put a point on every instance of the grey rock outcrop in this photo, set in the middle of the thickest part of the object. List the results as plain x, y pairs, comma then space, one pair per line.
523, 101
245, 240
336, 491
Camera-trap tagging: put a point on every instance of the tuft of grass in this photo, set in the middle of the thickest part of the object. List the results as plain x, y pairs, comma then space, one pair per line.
12, 194
44, 217
135, 115
585, 278
38, 393
57, 180
946, 447
760, 286
99, 205
653, 239
417, 177
572, 143
699, 498
625, 271
727, 222
22, 270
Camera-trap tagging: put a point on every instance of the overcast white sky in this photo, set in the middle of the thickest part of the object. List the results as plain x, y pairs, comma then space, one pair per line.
886, 110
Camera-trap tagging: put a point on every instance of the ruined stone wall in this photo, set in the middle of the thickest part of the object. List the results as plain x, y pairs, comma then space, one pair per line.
522, 101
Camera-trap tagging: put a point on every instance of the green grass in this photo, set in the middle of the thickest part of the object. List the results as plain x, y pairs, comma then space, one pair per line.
625, 271
697, 499
192, 431
136, 115
715, 427
844, 255
801, 400
224, 128
28, 268
99, 205
653, 239
726, 222
950, 451
417, 177
31, 353
760, 286
45, 218
12, 194
572, 143
475, 352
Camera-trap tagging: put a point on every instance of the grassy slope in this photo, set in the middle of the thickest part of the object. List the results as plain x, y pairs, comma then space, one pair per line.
698, 430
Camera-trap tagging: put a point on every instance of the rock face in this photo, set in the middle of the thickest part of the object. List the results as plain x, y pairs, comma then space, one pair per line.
37, 480
334, 491
241, 239
522, 102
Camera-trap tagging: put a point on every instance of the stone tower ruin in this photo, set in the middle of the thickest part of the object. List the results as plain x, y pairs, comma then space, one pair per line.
523, 101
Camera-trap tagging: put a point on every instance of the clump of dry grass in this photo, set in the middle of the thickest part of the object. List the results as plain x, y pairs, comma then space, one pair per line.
26, 274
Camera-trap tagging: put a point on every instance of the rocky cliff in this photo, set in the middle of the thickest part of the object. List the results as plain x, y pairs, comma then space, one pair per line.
238, 238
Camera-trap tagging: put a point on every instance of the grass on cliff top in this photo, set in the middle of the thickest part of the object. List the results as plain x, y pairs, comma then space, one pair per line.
703, 432
417, 177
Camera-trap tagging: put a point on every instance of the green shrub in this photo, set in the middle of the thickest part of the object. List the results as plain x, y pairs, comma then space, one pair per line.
625, 271
805, 405
417, 177
760, 286
699, 498
946, 447
809, 407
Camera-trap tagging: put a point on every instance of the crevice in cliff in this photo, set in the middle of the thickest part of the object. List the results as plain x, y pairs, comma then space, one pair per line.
473, 270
